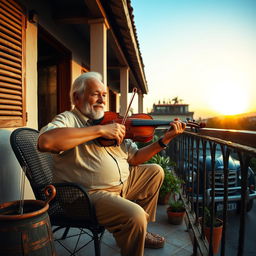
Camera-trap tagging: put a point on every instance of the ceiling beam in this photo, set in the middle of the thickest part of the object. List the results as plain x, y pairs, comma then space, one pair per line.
72, 20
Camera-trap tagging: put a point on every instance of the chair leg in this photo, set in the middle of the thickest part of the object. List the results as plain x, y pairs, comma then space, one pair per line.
65, 233
97, 242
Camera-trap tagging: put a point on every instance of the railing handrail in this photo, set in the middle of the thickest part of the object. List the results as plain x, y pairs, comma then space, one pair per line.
247, 149
229, 130
243, 137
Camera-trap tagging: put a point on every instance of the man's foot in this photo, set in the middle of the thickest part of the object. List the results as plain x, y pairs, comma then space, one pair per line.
154, 241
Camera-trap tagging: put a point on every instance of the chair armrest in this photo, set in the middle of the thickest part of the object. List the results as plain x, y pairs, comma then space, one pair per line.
70, 186
72, 201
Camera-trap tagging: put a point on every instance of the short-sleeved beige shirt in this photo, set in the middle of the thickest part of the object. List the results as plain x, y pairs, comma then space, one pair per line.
89, 164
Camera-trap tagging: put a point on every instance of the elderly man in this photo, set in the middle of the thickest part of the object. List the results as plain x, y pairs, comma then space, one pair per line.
123, 190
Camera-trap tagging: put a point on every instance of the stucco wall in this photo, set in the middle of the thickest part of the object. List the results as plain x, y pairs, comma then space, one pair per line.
31, 75
9, 169
76, 70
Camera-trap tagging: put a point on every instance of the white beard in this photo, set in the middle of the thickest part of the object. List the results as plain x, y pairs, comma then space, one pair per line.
89, 111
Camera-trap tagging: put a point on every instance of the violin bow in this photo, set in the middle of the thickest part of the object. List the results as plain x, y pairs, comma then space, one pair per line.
127, 110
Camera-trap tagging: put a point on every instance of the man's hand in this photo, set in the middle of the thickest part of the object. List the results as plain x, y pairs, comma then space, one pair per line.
114, 131
145, 153
177, 127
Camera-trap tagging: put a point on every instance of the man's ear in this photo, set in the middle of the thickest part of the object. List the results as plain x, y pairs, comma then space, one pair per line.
76, 97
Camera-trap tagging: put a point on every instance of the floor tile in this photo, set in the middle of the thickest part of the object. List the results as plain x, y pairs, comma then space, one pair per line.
165, 251
178, 241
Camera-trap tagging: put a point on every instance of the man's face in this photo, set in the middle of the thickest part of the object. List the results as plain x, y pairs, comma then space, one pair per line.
92, 103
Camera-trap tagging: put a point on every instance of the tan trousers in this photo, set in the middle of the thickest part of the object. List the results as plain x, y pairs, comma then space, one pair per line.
125, 210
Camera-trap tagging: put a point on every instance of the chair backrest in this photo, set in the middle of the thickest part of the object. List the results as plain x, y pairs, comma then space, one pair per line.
38, 165
71, 200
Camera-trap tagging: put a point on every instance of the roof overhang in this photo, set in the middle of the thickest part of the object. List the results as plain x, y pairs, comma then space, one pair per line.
123, 47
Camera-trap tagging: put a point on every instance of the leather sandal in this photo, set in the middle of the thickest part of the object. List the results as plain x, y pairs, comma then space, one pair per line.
154, 241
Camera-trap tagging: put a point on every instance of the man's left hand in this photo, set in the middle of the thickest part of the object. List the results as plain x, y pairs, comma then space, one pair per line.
177, 127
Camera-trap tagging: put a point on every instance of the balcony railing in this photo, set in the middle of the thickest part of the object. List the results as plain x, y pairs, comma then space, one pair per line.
217, 167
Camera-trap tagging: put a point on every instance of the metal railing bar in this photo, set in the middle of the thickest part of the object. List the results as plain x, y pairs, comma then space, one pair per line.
225, 154
199, 242
198, 177
192, 175
244, 162
213, 154
204, 142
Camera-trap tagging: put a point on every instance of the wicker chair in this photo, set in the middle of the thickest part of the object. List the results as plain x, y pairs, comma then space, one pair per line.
71, 208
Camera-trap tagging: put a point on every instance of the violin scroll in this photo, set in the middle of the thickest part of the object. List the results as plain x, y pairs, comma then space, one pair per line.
195, 126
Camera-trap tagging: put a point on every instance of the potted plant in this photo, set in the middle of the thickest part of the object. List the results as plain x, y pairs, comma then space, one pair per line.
217, 229
170, 188
176, 211
171, 183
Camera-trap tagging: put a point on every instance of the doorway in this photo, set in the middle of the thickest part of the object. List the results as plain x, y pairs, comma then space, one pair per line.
54, 77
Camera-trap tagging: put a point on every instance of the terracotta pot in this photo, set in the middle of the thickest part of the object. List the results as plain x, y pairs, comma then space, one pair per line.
163, 200
28, 233
216, 239
217, 235
175, 218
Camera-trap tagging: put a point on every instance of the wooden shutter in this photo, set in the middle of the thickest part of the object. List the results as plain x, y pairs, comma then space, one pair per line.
12, 43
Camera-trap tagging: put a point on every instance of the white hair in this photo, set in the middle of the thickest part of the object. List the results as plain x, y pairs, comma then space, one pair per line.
79, 85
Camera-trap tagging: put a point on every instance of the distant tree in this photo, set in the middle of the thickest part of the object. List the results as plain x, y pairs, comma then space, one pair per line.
231, 122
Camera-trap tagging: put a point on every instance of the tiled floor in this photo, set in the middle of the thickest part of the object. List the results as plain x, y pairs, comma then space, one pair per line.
177, 240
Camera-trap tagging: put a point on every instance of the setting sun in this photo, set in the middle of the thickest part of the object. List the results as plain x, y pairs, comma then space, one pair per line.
228, 98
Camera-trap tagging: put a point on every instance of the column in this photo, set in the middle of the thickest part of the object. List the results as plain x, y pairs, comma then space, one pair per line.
124, 89
140, 101
98, 50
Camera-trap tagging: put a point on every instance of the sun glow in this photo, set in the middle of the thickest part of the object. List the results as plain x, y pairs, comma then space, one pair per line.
229, 98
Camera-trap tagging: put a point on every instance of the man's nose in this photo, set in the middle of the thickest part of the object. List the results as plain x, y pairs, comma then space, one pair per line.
100, 99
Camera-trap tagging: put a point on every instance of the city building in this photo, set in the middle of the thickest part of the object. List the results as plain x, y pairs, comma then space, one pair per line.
170, 111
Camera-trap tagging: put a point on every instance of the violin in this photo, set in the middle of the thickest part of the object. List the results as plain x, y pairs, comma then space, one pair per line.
139, 127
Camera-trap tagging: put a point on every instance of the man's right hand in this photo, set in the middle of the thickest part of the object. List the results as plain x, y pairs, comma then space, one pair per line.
114, 131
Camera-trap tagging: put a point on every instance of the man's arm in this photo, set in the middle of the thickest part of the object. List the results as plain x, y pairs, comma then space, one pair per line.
146, 153
61, 139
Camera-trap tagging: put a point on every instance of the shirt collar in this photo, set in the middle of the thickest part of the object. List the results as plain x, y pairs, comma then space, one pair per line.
81, 116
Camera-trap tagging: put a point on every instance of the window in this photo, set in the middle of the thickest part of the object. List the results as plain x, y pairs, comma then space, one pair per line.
12, 39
